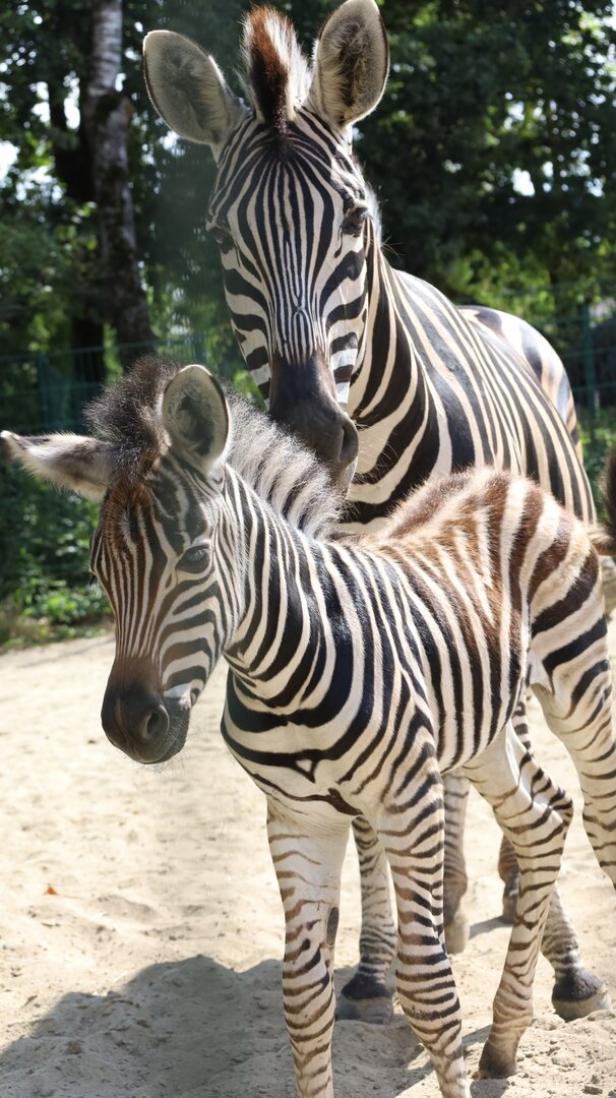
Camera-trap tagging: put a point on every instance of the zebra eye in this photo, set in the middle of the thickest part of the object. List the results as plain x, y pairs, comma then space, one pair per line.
353, 220
195, 559
222, 236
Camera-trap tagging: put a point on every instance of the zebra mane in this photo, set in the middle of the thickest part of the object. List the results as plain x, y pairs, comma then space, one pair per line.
277, 73
281, 471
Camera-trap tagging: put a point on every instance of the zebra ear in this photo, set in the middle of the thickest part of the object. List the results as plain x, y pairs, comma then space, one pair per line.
196, 417
351, 63
70, 461
188, 89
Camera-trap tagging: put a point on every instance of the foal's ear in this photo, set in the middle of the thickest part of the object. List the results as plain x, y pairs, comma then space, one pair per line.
188, 89
196, 417
351, 63
70, 461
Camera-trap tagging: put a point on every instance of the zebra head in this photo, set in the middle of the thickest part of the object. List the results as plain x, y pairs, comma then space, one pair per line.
292, 214
163, 549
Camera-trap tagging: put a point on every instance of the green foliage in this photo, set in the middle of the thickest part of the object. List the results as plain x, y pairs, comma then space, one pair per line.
479, 98
598, 434
44, 546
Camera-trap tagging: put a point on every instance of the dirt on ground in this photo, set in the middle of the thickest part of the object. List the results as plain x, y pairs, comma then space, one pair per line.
141, 929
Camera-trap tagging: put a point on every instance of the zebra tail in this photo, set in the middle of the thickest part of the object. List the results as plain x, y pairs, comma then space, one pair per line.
603, 537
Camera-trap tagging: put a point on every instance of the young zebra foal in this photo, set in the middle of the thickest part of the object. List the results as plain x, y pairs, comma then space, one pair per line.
360, 672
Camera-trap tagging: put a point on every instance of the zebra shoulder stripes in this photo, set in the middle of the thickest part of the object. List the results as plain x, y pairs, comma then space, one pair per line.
374, 369
360, 671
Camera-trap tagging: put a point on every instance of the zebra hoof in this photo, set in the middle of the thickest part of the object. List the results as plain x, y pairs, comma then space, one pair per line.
495, 1063
457, 933
579, 994
365, 1000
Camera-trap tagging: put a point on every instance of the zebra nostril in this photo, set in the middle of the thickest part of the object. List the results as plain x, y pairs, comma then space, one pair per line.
155, 725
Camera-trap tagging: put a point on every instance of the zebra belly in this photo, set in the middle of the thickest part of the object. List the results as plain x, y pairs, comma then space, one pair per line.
327, 783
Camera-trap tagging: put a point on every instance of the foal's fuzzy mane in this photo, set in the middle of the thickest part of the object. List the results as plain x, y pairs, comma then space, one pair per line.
282, 471
289, 477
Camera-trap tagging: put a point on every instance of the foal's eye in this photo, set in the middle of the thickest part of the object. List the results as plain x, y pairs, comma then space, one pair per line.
353, 220
194, 559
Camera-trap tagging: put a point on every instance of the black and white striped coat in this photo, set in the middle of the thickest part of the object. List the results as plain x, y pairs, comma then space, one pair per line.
360, 672
375, 370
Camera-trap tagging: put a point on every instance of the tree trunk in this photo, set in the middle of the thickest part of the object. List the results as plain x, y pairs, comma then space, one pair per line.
106, 114
87, 337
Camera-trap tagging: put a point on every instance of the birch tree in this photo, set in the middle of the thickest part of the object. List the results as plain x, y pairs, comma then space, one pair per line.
106, 115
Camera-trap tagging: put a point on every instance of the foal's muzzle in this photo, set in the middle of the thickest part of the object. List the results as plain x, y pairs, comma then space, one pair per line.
137, 719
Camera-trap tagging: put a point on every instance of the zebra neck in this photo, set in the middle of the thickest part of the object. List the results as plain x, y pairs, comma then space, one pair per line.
283, 629
388, 372
393, 402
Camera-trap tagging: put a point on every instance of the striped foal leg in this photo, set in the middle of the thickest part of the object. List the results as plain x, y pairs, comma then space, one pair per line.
456, 881
367, 997
535, 815
412, 832
307, 854
576, 991
507, 864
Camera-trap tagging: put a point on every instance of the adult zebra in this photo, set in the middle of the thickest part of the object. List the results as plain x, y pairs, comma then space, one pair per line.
360, 670
347, 350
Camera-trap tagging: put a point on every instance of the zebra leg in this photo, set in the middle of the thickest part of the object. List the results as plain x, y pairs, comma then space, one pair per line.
307, 854
510, 876
507, 864
535, 815
579, 710
412, 833
576, 991
368, 996
456, 789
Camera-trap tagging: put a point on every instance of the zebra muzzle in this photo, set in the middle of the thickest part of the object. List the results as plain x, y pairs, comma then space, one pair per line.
137, 720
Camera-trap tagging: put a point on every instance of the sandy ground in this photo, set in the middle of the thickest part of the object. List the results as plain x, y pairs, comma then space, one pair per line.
152, 968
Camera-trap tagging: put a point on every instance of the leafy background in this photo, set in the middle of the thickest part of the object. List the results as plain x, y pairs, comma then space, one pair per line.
493, 154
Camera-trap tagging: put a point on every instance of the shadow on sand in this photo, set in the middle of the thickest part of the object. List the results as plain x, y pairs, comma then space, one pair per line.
486, 925
194, 1029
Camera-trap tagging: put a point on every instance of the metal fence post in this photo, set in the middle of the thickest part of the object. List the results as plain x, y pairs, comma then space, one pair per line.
41, 363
